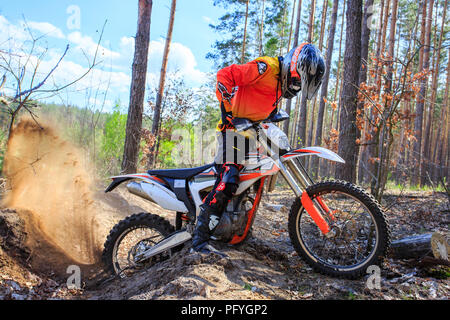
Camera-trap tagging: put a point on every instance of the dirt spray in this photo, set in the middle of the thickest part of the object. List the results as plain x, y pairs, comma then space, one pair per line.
49, 177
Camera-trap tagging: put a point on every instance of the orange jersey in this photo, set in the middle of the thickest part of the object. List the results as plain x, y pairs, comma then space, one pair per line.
257, 84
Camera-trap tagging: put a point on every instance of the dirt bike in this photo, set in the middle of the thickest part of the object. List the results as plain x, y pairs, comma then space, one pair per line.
336, 227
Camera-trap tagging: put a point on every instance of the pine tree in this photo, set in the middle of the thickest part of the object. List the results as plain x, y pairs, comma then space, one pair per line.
137, 92
162, 80
348, 148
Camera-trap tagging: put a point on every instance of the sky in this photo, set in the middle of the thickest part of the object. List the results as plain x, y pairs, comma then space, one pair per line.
79, 24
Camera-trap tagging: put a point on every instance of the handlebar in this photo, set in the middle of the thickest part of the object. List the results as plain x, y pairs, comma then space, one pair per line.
243, 124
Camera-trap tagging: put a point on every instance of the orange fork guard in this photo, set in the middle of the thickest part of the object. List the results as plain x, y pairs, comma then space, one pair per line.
314, 213
325, 207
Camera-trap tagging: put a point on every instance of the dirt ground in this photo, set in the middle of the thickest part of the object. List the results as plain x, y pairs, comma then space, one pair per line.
264, 267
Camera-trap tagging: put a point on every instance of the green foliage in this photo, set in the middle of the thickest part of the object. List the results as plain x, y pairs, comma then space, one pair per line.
231, 26
112, 141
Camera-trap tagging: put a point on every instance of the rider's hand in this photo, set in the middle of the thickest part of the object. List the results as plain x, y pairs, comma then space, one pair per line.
227, 96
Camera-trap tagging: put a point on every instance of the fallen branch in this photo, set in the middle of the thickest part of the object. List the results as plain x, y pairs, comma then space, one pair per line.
436, 244
412, 247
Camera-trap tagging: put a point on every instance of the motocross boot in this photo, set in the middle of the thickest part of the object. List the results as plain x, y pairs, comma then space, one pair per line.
215, 203
207, 221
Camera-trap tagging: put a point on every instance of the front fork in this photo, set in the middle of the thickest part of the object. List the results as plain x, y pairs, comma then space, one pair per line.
299, 180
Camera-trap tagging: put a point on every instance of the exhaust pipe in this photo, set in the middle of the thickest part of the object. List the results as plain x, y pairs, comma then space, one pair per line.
136, 189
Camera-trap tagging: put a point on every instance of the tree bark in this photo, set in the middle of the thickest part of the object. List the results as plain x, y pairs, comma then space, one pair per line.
348, 148
162, 79
137, 90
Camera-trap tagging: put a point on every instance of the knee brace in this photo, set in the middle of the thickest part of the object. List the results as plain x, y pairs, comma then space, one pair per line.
224, 189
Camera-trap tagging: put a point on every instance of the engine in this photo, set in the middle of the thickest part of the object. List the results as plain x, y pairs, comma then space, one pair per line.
233, 221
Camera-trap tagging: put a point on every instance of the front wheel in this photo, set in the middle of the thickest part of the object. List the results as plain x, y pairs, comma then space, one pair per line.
360, 234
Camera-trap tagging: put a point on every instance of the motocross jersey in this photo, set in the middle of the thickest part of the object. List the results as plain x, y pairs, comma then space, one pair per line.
257, 85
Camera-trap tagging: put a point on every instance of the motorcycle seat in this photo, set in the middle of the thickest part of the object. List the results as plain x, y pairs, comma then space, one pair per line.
179, 173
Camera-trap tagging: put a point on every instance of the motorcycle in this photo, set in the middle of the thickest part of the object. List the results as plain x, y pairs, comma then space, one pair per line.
335, 226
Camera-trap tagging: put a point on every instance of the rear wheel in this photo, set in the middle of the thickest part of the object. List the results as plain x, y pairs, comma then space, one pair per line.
132, 236
359, 235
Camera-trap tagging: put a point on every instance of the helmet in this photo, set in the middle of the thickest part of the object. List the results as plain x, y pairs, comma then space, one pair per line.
302, 69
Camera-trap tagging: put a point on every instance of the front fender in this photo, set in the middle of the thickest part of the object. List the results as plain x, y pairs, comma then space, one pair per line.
313, 151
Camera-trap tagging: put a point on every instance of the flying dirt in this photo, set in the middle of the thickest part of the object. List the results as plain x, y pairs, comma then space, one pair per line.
50, 179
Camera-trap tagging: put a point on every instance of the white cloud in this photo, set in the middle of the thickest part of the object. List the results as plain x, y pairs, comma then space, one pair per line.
89, 46
47, 29
181, 60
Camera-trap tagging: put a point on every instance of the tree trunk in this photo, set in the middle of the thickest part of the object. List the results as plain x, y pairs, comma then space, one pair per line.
291, 29
289, 102
162, 79
326, 78
245, 33
418, 122
323, 22
365, 36
311, 21
283, 22
373, 143
385, 19
137, 90
348, 148
314, 102
420, 107
442, 144
261, 30
431, 152
386, 137
303, 117
329, 164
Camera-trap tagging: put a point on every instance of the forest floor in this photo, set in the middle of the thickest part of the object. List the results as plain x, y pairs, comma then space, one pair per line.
264, 267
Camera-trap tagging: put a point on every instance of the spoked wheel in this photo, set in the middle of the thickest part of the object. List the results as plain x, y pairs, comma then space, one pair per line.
131, 237
359, 235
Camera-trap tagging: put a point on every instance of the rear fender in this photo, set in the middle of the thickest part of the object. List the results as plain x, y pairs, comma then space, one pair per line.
117, 180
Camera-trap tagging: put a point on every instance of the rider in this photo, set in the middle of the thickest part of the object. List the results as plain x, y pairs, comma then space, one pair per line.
252, 91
